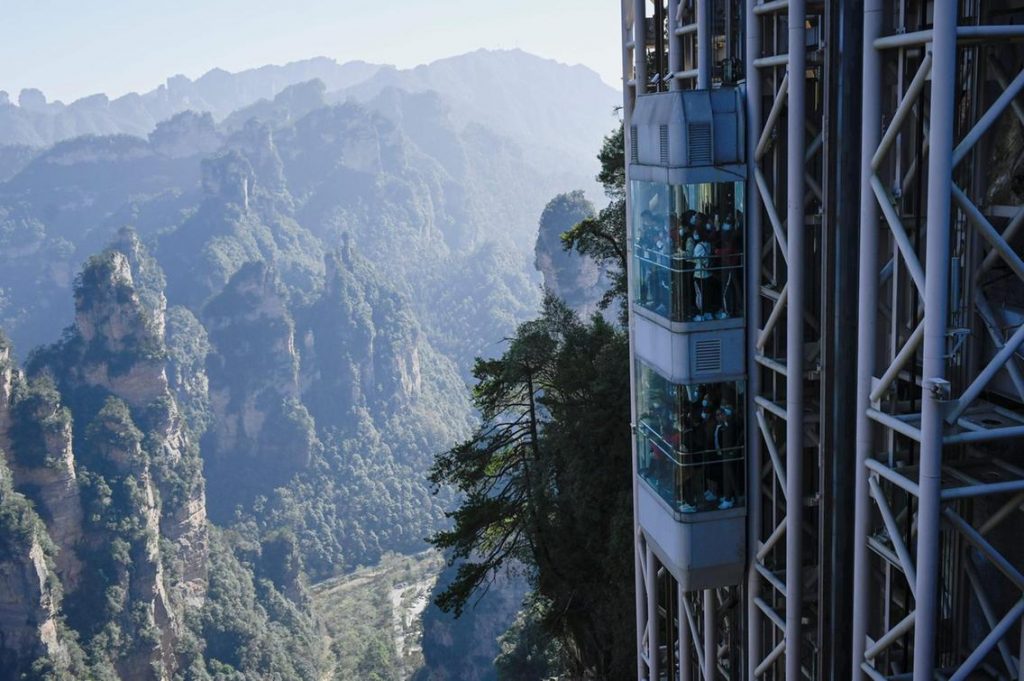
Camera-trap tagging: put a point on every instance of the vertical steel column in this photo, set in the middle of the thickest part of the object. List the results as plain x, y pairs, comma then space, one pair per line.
752, 260
629, 23
796, 228
838, 388
871, 121
640, 45
683, 634
704, 44
936, 305
675, 47
652, 614
710, 635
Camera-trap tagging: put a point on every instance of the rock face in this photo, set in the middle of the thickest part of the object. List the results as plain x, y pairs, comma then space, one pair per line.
7, 374
230, 177
575, 279
118, 484
41, 460
360, 347
186, 134
258, 423
122, 340
138, 579
29, 594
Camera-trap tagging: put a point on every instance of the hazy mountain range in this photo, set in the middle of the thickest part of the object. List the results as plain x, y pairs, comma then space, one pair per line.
244, 310
516, 94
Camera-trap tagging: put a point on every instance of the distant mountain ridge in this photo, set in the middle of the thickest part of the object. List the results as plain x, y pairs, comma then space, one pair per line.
514, 93
36, 122
518, 94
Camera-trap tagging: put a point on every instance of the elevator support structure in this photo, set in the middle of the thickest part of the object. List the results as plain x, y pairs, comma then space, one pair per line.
882, 386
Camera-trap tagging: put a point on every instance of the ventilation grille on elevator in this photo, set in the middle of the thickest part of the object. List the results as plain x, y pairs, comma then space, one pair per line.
634, 149
663, 139
707, 356
699, 147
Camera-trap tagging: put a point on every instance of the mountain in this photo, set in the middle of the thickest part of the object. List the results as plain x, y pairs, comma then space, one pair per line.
527, 101
244, 333
95, 441
519, 95
575, 279
34, 121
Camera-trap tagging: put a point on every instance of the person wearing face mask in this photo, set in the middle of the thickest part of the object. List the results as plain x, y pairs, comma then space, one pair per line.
701, 261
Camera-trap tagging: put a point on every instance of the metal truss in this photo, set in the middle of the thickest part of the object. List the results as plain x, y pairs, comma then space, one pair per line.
937, 484
786, 69
938, 590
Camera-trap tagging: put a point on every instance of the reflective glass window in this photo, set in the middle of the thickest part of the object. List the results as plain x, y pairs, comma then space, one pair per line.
688, 250
690, 441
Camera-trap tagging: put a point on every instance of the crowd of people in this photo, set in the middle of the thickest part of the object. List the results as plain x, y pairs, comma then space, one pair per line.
689, 264
694, 448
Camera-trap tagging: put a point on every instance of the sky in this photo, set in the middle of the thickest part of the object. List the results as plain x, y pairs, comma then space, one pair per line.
72, 48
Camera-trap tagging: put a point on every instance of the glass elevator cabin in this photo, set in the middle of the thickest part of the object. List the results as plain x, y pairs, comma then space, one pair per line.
687, 175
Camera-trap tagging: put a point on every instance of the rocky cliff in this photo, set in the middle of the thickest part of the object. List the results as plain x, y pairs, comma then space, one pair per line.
97, 442
33, 638
259, 425
576, 279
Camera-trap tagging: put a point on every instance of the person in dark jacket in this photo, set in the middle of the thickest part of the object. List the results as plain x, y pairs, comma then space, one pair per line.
726, 441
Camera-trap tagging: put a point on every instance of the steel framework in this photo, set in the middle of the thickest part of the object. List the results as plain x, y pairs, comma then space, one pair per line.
932, 484
878, 432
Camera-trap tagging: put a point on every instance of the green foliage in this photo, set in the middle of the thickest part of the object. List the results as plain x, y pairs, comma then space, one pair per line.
250, 630
113, 428
37, 416
551, 460
613, 164
188, 346
367, 611
19, 524
21, 529
603, 237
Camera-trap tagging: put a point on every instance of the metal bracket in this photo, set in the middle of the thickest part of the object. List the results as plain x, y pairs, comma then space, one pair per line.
938, 388
959, 337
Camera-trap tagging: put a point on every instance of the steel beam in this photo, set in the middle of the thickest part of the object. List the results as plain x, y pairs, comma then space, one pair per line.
940, 185
704, 44
871, 117
753, 287
796, 282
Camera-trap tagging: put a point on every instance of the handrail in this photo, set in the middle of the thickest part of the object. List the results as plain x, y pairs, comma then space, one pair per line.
667, 449
674, 257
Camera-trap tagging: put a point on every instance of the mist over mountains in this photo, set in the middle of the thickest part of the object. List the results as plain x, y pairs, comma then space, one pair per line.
514, 93
237, 319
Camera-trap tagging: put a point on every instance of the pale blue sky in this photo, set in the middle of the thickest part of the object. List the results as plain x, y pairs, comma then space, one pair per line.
71, 48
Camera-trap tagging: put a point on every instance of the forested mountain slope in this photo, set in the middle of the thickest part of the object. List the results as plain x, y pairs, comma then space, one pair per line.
240, 335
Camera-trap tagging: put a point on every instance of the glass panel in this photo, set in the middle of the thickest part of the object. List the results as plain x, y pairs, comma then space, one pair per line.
688, 250
690, 441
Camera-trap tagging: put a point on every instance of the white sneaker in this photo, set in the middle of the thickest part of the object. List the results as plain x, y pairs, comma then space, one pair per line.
688, 508
726, 503
710, 496
698, 317
708, 317
722, 315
